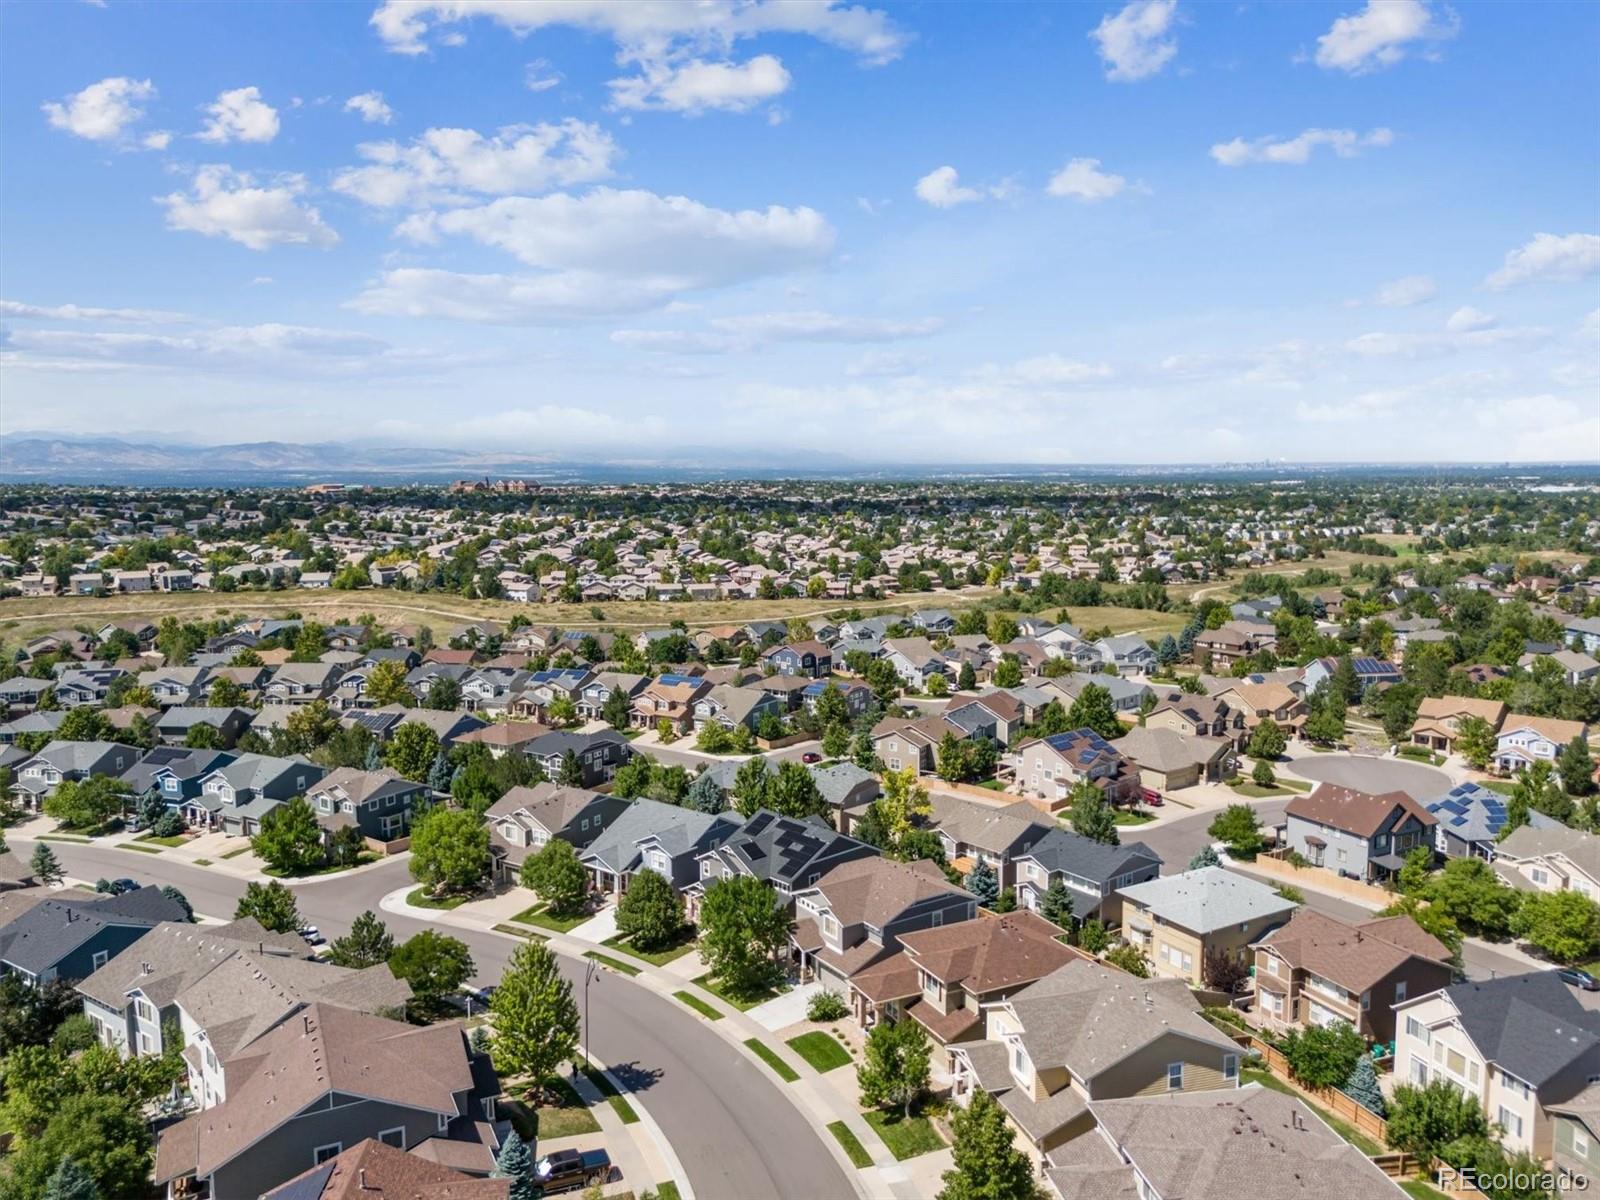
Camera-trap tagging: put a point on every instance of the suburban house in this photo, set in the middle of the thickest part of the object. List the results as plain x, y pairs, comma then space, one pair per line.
671, 699
1129, 653
787, 854
301, 683
1051, 766
811, 659
377, 803
854, 915
1180, 920
1223, 646
301, 1092
1370, 672
1516, 1044
38, 778
1358, 834
1526, 740
1575, 666
48, 935
598, 754
848, 789
1091, 871
857, 695
1469, 820
1168, 760
524, 820
174, 772
374, 1170
948, 978
663, 838
1264, 701
1439, 719
1318, 970
505, 737
731, 707
1090, 1032
176, 685
174, 725
972, 833
597, 690
916, 661
1196, 716
219, 986
1550, 857
901, 743
89, 685
238, 794
1190, 1145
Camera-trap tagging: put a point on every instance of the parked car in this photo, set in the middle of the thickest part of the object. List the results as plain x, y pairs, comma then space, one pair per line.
811, 756
568, 1170
312, 935
1579, 978
1150, 797
116, 887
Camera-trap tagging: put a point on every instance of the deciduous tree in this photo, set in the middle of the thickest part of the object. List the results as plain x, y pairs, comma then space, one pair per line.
986, 1165
434, 964
290, 839
411, 750
450, 851
895, 1065
558, 877
271, 904
743, 927
650, 912
536, 1025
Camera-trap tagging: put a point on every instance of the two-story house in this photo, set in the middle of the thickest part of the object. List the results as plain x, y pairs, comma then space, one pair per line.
1196, 716
1549, 857
1168, 760
916, 661
597, 690
1469, 819
651, 836
972, 833
1091, 871
38, 777
1439, 719
598, 755
301, 683
1050, 767
1090, 1032
378, 804
1268, 700
1128, 653
671, 698
176, 685
1358, 834
811, 659
1370, 672
730, 707
173, 772
787, 854
857, 696
48, 935
1181, 920
1525, 740
236, 795
1516, 1045
1318, 970
175, 725
522, 822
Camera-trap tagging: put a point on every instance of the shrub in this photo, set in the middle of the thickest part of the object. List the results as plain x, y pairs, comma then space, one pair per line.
827, 1005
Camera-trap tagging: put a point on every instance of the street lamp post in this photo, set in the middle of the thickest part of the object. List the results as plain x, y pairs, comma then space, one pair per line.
590, 971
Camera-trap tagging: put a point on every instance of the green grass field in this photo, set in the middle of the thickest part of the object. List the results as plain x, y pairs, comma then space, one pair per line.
680, 947
822, 1050
538, 916
770, 1056
742, 1003
905, 1136
615, 964
853, 1149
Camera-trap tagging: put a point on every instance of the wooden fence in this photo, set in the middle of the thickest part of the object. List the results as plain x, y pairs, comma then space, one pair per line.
1332, 1099
1320, 879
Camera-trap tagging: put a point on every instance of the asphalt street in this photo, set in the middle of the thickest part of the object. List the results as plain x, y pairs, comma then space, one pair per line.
737, 1134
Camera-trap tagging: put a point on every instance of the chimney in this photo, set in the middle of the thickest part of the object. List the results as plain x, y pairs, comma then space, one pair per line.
363, 1179
146, 969
305, 1020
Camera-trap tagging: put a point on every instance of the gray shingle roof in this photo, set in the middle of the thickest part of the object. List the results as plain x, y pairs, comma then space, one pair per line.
1529, 1024
1208, 899
1074, 854
679, 830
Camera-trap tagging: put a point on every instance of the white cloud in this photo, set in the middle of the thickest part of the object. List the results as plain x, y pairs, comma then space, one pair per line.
1380, 35
77, 312
445, 165
881, 364
159, 140
1048, 371
1589, 327
102, 110
749, 331
1541, 427
941, 188
1082, 179
1134, 43
1549, 257
696, 86
240, 115
226, 203
540, 76
605, 252
1467, 319
373, 108
655, 30
1406, 291
1346, 143
1452, 341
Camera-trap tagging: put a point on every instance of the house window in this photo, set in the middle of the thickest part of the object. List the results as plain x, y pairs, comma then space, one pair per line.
1019, 1061
395, 1137
101, 957
1512, 1084
1580, 1143
1399, 990
444, 1122
936, 917
323, 1153
1539, 875
1366, 1001
1175, 1077
1416, 1029
145, 1046
1230, 1066
145, 1009
1509, 1121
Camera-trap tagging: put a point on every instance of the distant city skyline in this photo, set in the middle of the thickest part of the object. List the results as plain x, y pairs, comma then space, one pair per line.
1159, 232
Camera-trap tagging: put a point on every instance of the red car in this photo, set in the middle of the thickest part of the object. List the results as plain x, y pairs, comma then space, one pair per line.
811, 756
1151, 797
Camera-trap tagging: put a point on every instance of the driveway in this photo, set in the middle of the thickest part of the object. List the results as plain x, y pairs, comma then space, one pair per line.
1373, 775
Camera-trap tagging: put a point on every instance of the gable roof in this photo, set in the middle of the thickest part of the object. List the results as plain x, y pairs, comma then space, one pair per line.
1073, 854
1353, 811
1168, 750
1353, 956
873, 891
992, 827
678, 830
782, 849
1529, 1025
50, 929
1207, 899
1474, 813
374, 1170
175, 954
990, 952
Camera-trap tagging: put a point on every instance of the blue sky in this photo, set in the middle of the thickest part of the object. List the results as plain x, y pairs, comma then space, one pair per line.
1158, 232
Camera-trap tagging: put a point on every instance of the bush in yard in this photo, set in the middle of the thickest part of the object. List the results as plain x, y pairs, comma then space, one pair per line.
743, 926
650, 912
1362, 1086
1222, 971
1206, 856
168, 824
1564, 924
1322, 1056
1238, 827
1424, 1120
558, 877
1261, 774
1130, 958
827, 1005
895, 1067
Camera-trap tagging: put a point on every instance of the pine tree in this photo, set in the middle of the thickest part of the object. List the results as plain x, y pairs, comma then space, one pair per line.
375, 758
1576, 766
536, 1024
1362, 1086
439, 773
368, 943
983, 883
987, 1164
1206, 856
1056, 907
45, 866
71, 1182
515, 1162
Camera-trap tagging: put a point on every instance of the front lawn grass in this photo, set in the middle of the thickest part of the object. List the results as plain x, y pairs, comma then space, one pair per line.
419, 898
668, 1191
1256, 792
853, 1149
1348, 1132
176, 839
538, 916
1123, 817
521, 931
770, 1056
141, 849
699, 1005
1504, 786
619, 1102
742, 1003
616, 964
566, 1117
62, 837
905, 1136
677, 948
325, 869
245, 849
822, 1050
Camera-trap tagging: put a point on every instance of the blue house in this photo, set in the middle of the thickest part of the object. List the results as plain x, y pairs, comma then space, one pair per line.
56, 935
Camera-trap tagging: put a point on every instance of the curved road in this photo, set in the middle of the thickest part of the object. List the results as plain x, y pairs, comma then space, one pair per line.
737, 1133
1376, 775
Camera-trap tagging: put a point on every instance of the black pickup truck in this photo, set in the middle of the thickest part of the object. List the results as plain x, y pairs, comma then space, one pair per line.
568, 1170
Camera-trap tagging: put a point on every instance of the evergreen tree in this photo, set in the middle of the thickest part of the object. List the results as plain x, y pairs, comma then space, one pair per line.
1576, 766
705, 795
1056, 907
983, 883
368, 943
1362, 1086
536, 1025
1167, 651
374, 759
986, 1163
44, 865
515, 1162
438, 773
271, 904
616, 709
178, 898
71, 1182
1206, 856
1091, 816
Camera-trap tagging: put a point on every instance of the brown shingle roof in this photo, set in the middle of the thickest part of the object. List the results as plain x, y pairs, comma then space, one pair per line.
875, 890
372, 1170
990, 952
1360, 813
1353, 956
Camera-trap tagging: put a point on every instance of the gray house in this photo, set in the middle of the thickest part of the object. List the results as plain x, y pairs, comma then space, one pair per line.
1358, 834
174, 725
237, 795
57, 935
39, 777
523, 821
1092, 871
786, 854
658, 837
377, 803
598, 754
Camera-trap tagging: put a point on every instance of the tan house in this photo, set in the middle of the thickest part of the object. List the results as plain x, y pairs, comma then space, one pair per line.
1177, 920
948, 977
1439, 719
1550, 859
1090, 1032
1317, 970
1168, 760
1265, 701
1196, 716
672, 702
1050, 767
